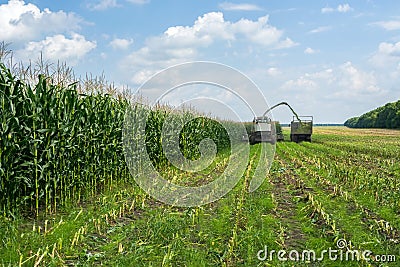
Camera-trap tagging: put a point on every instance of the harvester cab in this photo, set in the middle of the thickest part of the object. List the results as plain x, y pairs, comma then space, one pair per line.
263, 131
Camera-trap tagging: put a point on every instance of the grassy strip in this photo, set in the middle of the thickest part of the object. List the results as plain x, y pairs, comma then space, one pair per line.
123, 227
338, 213
357, 183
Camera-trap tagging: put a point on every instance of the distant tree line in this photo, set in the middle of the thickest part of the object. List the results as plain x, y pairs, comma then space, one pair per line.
387, 116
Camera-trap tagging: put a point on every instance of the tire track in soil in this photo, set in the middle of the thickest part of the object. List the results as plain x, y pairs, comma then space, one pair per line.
285, 190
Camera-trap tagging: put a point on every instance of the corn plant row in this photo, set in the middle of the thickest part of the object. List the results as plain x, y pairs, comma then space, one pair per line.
369, 146
382, 226
383, 186
58, 250
312, 199
239, 218
355, 164
314, 207
58, 145
375, 222
316, 211
385, 166
322, 172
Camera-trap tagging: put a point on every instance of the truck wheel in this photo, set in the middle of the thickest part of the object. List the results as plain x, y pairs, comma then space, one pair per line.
251, 140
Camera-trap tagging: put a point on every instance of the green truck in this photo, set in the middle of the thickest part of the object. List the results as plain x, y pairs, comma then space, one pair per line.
301, 129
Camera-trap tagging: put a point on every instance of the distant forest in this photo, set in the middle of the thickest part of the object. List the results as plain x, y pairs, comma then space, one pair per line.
387, 116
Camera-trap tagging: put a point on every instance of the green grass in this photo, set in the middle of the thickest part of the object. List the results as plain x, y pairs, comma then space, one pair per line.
297, 207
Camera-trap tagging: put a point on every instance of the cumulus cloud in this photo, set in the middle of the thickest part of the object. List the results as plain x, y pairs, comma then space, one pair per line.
273, 71
390, 49
21, 22
320, 29
259, 32
138, 2
300, 84
389, 25
310, 51
103, 5
342, 8
212, 27
387, 55
106, 4
355, 82
239, 7
121, 44
343, 81
184, 43
58, 47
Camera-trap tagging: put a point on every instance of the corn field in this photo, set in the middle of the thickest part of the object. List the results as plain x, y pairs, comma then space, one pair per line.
59, 145
62, 167
56, 144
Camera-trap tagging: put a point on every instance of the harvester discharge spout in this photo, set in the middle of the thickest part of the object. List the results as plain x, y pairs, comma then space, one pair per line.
279, 104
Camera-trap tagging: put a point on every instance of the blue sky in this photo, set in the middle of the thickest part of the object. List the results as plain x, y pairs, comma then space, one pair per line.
330, 59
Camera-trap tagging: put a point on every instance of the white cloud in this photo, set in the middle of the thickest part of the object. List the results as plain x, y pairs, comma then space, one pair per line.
389, 25
239, 7
184, 43
260, 32
310, 51
272, 71
21, 22
342, 8
390, 49
320, 29
121, 44
212, 27
138, 2
327, 10
354, 82
301, 84
58, 47
343, 81
287, 43
103, 5
350, 81
387, 55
